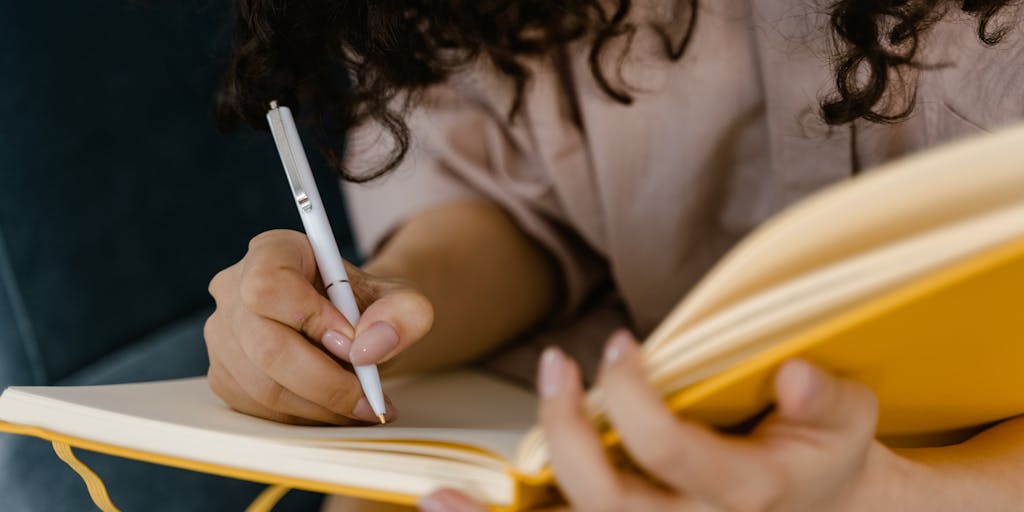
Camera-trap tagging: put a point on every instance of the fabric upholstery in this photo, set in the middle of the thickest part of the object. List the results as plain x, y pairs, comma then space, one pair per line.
118, 202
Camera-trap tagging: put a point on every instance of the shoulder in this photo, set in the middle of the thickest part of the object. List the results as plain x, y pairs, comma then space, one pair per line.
981, 84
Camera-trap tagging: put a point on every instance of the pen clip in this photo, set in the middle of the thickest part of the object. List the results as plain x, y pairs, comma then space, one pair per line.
284, 147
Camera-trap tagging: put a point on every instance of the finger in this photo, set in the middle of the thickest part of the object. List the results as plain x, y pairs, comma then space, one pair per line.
277, 283
289, 360
225, 383
811, 397
260, 388
448, 500
398, 318
225, 387
683, 455
585, 475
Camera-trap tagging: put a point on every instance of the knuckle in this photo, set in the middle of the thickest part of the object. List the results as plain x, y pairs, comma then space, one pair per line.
413, 308
424, 319
265, 236
258, 288
273, 235
218, 283
210, 328
311, 320
213, 339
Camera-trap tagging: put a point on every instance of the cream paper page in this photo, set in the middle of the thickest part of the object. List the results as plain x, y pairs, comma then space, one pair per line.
895, 201
467, 408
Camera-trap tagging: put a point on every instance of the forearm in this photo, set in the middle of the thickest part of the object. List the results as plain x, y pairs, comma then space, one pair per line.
985, 472
487, 281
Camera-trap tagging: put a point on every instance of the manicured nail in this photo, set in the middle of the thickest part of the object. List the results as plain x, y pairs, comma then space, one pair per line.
446, 500
803, 376
551, 375
373, 344
620, 344
337, 344
431, 503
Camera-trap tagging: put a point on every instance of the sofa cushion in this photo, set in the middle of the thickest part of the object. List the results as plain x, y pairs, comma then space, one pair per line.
118, 198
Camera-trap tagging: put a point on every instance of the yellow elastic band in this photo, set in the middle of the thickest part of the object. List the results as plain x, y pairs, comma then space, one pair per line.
268, 498
97, 490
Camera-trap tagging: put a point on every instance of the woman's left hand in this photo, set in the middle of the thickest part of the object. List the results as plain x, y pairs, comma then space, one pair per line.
816, 451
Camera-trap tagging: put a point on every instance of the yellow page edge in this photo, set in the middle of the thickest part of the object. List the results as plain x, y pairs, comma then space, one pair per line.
231, 472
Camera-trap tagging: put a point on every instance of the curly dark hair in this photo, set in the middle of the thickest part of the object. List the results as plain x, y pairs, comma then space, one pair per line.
354, 61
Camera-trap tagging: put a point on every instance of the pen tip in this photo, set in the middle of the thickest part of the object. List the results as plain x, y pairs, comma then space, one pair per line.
383, 421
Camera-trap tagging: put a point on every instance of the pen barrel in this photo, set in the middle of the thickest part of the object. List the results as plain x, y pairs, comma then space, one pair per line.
321, 236
369, 379
342, 297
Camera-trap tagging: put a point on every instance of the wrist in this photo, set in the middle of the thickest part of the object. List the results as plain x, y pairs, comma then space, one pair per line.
888, 481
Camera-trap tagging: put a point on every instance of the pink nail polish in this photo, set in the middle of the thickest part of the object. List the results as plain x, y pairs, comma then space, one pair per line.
430, 503
551, 374
620, 344
373, 344
337, 344
806, 377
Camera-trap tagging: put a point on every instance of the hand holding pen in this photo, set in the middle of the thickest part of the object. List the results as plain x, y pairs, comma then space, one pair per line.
274, 332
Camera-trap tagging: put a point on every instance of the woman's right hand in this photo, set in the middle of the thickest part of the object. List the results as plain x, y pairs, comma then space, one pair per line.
275, 340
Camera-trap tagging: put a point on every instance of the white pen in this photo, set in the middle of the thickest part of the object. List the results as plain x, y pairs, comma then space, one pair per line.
321, 237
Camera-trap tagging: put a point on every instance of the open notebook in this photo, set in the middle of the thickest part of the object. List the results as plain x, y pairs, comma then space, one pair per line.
909, 278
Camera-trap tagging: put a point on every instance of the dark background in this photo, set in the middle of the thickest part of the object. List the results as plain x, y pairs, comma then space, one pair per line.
119, 201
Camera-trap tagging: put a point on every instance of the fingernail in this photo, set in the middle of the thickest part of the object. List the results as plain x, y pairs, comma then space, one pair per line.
620, 344
431, 503
804, 377
337, 344
373, 344
551, 375
446, 500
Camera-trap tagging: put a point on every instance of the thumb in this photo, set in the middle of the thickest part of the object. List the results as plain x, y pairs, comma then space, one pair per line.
810, 396
398, 316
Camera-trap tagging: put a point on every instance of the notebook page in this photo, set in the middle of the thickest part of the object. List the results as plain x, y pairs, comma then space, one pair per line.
467, 408
895, 201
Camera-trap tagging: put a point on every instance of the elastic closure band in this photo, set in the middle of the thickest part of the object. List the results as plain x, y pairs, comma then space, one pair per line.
268, 498
97, 491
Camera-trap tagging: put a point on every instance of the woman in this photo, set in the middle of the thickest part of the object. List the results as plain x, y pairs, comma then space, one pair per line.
533, 155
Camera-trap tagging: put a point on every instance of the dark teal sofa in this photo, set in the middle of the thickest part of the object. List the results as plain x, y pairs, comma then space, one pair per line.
118, 201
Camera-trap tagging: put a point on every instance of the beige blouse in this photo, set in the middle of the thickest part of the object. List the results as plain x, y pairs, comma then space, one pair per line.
649, 195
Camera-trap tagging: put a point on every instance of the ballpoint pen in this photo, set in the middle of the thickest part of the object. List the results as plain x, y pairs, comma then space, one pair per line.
321, 237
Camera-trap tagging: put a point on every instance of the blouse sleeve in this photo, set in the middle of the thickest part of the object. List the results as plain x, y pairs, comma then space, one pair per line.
461, 149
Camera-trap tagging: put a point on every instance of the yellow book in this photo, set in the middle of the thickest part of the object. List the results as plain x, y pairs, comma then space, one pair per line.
909, 278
